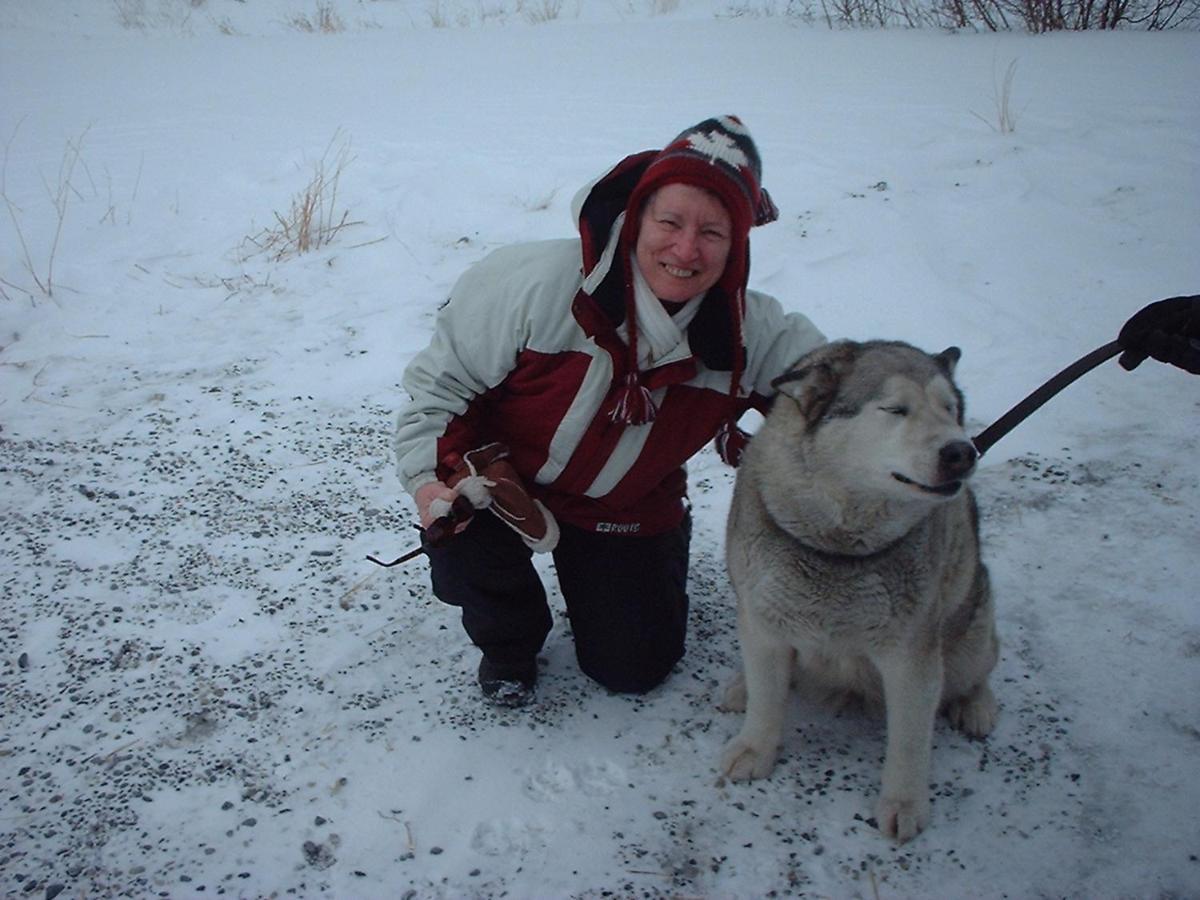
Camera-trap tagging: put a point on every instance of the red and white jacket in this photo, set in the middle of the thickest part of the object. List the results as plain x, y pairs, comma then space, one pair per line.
530, 353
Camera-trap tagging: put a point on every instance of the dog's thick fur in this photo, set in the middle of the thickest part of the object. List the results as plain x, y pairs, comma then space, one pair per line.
853, 548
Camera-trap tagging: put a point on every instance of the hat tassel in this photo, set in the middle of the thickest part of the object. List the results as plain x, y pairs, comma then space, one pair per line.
635, 405
730, 442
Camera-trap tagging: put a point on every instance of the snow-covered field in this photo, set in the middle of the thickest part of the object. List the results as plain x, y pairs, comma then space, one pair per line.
206, 688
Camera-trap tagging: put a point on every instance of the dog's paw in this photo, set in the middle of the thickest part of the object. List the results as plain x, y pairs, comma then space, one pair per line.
902, 818
975, 714
734, 698
745, 760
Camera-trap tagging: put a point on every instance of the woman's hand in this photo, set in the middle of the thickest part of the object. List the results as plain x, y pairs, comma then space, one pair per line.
425, 496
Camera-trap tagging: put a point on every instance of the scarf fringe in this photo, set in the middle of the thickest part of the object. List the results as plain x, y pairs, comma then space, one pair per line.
634, 406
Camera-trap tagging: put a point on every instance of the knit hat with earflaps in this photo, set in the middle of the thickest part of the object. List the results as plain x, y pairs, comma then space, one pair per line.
717, 155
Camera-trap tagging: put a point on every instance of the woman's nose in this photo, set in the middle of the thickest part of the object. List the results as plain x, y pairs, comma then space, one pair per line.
687, 243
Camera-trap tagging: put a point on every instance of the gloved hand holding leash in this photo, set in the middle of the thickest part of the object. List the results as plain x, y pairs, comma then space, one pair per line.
1168, 330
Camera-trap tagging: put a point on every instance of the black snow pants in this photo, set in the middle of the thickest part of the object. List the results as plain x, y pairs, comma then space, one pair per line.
626, 598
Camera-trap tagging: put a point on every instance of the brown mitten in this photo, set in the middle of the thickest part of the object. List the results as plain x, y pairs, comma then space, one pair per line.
488, 480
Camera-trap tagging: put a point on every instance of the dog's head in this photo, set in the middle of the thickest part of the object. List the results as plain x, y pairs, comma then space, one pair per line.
884, 416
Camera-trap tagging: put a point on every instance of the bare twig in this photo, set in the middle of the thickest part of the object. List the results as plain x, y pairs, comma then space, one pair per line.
15, 287
378, 240
347, 598
107, 758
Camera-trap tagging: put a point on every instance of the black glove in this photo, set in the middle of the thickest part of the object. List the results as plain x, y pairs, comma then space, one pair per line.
1168, 330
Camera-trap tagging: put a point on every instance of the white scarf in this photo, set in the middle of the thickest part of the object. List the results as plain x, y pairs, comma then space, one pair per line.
662, 337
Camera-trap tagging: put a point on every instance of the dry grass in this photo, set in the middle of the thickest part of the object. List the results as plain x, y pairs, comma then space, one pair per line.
1004, 119
325, 20
464, 14
60, 194
539, 12
143, 15
447, 15
313, 219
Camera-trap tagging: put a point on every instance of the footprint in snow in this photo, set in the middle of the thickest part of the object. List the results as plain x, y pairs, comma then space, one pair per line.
593, 778
506, 837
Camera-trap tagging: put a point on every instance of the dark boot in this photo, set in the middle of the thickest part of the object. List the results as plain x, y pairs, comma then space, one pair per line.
508, 686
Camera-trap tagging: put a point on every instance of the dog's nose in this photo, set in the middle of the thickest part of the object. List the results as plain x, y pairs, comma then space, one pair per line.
956, 459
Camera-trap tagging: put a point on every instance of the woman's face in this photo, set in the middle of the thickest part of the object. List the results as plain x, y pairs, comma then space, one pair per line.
683, 241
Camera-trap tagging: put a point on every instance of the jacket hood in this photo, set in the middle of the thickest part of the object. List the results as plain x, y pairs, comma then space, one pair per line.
599, 209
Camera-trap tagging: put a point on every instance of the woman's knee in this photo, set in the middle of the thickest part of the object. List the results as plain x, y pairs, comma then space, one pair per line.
625, 670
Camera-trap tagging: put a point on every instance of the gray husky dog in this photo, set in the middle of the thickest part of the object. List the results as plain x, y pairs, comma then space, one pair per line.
853, 547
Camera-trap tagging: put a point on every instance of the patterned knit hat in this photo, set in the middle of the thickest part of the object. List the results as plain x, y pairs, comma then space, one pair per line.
719, 156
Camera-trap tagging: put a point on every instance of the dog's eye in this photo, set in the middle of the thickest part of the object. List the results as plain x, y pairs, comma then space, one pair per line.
895, 410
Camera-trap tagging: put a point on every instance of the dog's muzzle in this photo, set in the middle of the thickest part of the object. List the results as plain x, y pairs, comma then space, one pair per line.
956, 461
945, 489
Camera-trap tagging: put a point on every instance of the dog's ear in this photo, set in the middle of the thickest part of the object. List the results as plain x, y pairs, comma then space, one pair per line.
948, 359
814, 382
813, 387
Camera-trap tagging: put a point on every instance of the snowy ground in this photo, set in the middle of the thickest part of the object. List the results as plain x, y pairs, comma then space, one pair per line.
207, 690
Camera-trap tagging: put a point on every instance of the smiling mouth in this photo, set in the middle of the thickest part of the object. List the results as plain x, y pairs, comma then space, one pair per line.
942, 490
676, 272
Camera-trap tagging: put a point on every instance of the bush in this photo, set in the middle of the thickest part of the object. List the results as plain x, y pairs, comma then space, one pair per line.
1040, 16
1036, 16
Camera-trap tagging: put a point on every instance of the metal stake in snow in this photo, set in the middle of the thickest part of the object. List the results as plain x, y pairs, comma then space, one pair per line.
1027, 407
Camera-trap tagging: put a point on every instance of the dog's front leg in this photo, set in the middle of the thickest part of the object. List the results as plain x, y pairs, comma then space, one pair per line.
768, 672
912, 684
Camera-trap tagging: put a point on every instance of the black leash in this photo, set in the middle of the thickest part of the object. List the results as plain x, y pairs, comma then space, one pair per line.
1023, 410
411, 554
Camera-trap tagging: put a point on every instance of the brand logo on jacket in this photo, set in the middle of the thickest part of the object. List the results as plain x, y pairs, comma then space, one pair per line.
618, 527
